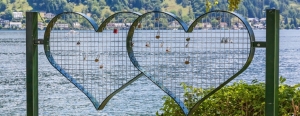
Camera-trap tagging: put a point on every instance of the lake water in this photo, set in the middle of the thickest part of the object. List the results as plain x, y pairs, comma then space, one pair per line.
59, 97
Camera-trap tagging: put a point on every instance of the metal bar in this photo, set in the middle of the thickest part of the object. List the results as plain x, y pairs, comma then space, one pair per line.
272, 62
259, 44
31, 64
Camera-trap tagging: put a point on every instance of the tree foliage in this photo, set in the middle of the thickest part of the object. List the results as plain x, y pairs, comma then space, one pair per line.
7, 15
248, 8
2, 6
54, 6
238, 99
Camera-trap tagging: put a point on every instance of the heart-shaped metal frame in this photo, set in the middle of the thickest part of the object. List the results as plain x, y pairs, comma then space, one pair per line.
135, 24
187, 29
47, 49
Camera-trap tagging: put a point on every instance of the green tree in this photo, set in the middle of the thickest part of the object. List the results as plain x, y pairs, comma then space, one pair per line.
287, 26
7, 15
295, 22
214, 23
286, 20
292, 26
86, 24
186, 19
185, 3
179, 13
274, 4
68, 8
106, 14
191, 13
179, 1
95, 10
173, 12
2, 6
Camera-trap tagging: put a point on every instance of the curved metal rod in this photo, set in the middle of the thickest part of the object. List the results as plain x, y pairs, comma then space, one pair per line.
54, 19
118, 90
108, 19
96, 104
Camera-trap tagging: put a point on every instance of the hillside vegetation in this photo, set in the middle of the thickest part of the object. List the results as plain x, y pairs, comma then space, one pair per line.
186, 9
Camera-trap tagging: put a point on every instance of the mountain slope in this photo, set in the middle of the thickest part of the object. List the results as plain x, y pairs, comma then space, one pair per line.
184, 8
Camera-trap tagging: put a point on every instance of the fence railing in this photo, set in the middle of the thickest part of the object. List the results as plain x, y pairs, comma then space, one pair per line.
101, 61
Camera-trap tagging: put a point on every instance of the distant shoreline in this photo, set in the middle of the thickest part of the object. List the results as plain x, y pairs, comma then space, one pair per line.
124, 29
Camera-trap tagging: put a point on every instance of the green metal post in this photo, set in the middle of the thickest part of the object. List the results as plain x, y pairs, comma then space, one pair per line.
31, 63
272, 62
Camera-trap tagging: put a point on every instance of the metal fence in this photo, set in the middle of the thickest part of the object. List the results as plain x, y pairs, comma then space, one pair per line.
102, 61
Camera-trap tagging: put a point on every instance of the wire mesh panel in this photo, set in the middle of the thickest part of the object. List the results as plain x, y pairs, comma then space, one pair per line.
208, 54
93, 59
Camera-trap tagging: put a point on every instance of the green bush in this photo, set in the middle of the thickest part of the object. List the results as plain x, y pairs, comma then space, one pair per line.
237, 99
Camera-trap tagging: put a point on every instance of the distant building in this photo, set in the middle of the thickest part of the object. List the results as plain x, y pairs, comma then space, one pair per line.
235, 27
17, 15
223, 24
15, 24
88, 14
206, 25
259, 26
262, 20
76, 25
174, 24
4, 23
49, 15
42, 14
239, 25
41, 25
254, 20
118, 25
61, 25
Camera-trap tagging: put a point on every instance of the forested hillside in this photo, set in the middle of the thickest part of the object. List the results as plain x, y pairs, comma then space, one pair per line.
186, 9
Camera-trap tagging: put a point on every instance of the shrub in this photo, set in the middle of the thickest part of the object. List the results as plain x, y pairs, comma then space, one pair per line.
239, 98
